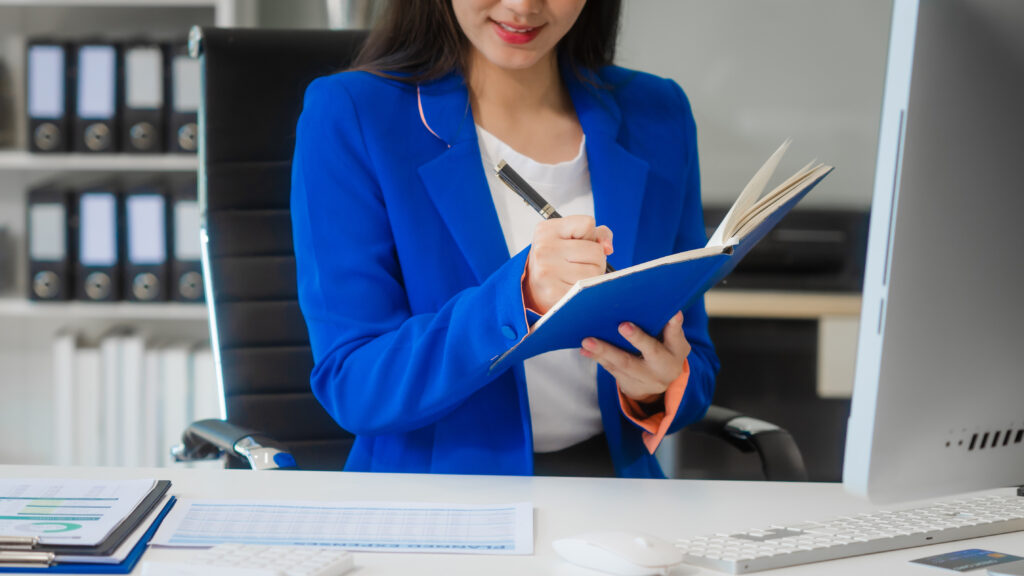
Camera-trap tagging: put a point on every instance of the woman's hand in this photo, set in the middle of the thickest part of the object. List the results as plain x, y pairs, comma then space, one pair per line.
643, 378
564, 250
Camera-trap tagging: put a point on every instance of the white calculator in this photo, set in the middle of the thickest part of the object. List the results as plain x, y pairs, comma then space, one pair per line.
251, 560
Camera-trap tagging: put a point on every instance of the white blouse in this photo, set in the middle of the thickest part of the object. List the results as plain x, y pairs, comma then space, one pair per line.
562, 385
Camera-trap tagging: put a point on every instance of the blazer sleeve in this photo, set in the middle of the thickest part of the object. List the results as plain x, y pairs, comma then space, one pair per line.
379, 369
703, 361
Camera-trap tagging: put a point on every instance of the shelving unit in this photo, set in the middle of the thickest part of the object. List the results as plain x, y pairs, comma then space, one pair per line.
27, 162
226, 12
27, 328
19, 308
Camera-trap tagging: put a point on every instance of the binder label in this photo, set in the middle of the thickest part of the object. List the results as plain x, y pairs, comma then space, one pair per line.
46, 82
97, 82
98, 230
147, 243
186, 84
47, 240
144, 81
186, 231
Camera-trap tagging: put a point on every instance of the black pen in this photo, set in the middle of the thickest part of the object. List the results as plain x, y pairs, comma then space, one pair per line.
516, 183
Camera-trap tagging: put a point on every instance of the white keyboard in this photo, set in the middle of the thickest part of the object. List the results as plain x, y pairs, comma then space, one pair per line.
253, 560
789, 545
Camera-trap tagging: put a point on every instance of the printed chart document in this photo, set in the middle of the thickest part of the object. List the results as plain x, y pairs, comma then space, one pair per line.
68, 512
362, 526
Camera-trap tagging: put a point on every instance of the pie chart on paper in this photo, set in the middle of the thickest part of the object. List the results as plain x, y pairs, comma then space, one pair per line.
48, 527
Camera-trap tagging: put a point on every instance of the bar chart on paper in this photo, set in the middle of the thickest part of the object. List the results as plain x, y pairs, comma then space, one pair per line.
76, 512
361, 526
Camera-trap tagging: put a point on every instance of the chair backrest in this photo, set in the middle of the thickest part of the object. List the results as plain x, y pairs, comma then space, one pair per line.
253, 82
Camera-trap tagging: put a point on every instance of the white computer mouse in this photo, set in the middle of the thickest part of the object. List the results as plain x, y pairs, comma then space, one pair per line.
622, 553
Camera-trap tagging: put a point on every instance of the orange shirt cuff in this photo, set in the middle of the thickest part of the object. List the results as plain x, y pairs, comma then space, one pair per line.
522, 298
656, 426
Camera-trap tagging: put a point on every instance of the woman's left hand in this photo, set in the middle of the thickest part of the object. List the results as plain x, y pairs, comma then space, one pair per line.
643, 378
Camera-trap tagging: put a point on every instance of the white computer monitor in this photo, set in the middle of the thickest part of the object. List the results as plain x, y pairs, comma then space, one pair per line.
938, 402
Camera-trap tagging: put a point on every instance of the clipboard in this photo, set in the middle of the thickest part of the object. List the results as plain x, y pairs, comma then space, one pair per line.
108, 546
124, 567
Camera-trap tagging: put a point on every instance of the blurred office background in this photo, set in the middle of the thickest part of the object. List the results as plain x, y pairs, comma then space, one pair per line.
756, 74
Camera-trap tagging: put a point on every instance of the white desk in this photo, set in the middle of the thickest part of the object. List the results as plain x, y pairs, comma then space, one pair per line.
563, 507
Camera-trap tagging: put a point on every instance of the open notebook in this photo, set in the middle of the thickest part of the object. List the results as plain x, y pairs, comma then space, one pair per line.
649, 294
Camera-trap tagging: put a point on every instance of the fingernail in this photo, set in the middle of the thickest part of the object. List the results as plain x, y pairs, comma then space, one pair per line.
679, 316
626, 329
589, 343
586, 354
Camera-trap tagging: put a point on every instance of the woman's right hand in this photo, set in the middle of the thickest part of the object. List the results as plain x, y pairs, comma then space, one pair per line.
564, 250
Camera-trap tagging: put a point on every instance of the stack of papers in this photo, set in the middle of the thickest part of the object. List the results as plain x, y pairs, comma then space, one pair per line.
64, 523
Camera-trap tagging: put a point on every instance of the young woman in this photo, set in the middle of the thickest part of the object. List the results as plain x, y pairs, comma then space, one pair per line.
417, 267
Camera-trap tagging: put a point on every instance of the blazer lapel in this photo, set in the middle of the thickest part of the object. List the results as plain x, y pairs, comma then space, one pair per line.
455, 179
456, 182
617, 177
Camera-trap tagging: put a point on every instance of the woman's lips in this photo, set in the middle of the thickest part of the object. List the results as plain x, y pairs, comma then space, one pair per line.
515, 34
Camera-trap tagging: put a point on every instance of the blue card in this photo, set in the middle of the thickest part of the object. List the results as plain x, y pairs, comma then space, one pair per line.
964, 560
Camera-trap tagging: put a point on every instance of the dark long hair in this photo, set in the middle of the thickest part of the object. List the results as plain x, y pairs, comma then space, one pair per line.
420, 40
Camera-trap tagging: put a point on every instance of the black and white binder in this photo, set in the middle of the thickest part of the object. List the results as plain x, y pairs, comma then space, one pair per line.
146, 238
6, 258
182, 124
98, 270
48, 98
50, 226
97, 106
143, 115
186, 254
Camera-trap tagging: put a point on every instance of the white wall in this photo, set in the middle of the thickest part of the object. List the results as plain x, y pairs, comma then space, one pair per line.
759, 71
292, 14
756, 72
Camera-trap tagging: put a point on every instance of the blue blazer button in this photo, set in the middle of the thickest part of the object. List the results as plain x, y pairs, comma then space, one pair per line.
508, 332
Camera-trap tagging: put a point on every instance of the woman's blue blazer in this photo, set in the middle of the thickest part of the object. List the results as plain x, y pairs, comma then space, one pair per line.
408, 289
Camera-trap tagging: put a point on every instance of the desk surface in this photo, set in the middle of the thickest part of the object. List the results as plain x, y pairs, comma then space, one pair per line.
562, 507
738, 303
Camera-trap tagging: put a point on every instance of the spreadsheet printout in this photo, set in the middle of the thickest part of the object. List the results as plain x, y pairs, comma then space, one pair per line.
359, 526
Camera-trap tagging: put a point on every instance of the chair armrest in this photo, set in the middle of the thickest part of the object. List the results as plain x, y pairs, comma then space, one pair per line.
210, 438
780, 456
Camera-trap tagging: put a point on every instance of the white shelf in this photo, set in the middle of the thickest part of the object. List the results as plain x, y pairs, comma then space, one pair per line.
113, 3
20, 160
174, 311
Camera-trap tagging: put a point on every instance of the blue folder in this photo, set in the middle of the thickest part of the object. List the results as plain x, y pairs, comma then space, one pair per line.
646, 297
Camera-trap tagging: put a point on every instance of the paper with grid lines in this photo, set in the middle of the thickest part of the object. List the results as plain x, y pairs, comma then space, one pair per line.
360, 526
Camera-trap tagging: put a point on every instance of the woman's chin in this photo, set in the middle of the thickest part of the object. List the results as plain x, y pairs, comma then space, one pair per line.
514, 59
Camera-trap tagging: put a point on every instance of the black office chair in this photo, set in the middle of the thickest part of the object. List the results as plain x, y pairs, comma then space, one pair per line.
253, 82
